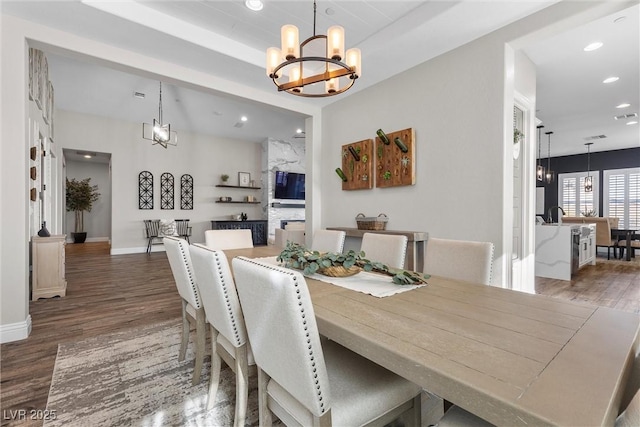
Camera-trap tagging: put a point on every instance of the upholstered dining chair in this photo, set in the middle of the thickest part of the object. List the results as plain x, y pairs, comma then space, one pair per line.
302, 380
459, 259
228, 239
229, 340
389, 249
192, 309
328, 241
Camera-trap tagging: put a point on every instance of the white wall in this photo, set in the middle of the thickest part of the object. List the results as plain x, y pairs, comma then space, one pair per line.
456, 111
97, 223
205, 158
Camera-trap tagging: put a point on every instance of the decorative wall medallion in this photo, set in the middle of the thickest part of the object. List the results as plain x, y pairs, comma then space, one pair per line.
166, 191
186, 192
145, 190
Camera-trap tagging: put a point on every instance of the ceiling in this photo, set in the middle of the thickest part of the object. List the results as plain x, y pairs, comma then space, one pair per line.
226, 39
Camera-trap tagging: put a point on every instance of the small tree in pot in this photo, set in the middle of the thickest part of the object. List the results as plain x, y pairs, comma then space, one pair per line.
80, 197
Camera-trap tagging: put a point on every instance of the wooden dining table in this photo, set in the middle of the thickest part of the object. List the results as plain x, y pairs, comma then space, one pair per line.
509, 357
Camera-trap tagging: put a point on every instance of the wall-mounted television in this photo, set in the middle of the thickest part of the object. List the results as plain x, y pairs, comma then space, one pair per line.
289, 185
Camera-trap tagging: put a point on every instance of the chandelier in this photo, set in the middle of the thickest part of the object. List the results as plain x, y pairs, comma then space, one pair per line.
159, 133
325, 62
588, 181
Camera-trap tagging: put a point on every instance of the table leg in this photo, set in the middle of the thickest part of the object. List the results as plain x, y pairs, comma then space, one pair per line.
628, 245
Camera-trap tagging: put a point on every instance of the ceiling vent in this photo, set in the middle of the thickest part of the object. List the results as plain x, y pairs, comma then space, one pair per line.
591, 138
626, 116
139, 95
238, 124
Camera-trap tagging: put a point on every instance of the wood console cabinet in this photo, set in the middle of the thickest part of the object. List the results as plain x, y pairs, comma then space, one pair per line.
259, 229
48, 267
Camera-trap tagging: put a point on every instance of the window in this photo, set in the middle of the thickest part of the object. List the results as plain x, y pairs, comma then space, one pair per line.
571, 195
622, 196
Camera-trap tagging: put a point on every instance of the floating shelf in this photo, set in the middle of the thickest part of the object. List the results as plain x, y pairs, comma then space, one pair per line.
238, 186
251, 203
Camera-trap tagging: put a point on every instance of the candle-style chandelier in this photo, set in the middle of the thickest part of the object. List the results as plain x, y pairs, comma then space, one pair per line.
588, 181
301, 69
539, 167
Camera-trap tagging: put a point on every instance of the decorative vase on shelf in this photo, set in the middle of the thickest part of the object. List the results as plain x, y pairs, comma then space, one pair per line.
43, 232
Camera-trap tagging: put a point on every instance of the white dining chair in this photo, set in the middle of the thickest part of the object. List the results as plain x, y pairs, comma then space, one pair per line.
389, 249
228, 239
328, 241
459, 259
301, 380
229, 340
192, 309
282, 236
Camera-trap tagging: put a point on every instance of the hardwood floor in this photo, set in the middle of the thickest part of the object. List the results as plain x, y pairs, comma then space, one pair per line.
609, 283
104, 294
108, 293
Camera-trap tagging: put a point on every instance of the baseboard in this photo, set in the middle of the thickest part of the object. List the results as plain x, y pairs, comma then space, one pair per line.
140, 250
90, 239
15, 331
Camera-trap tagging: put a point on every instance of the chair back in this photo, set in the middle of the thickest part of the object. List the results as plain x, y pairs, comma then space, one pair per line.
228, 239
459, 259
180, 262
282, 330
182, 227
282, 236
151, 227
218, 293
328, 241
630, 417
389, 249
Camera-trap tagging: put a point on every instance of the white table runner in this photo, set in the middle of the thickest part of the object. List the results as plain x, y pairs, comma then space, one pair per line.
374, 284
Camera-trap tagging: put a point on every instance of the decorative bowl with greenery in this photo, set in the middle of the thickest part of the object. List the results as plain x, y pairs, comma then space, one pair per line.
299, 257
224, 177
589, 213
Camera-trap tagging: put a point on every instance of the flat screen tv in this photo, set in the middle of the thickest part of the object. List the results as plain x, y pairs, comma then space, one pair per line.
289, 185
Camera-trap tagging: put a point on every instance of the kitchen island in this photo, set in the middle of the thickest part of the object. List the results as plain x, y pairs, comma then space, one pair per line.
563, 249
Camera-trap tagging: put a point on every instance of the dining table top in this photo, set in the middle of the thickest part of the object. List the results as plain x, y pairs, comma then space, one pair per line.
509, 357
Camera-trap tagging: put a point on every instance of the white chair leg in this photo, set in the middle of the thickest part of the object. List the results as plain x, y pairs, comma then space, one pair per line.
242, 386
185, 332
201, 339
264, 412
216, 363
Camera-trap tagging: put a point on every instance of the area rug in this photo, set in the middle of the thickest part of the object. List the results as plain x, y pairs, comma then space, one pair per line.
134, 378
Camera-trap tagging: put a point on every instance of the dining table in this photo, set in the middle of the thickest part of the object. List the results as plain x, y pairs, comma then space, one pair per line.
509, 357
627, 234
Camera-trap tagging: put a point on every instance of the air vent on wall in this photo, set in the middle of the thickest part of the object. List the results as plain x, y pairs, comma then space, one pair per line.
626, 116
139, 95
591, 138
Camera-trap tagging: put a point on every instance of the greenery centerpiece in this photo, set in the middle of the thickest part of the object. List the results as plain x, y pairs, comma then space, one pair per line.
299, 257
80, 197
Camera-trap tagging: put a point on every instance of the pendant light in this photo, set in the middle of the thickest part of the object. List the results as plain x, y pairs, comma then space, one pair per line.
539, 167
588, 181
549, 175
159, 133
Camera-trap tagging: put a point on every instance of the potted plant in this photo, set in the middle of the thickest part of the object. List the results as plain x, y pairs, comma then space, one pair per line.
224, 177
80, 197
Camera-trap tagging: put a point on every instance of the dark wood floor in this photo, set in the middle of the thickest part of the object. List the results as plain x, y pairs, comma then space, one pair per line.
104, 294
108, 293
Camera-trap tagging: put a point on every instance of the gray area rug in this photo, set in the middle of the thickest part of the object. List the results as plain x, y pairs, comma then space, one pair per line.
133, 377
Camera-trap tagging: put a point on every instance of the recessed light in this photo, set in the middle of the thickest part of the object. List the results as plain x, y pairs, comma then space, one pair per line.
611, 79
298, 130
632, 122
254, 5
88, 156
592, 46
620, 19
244, 118
623, 105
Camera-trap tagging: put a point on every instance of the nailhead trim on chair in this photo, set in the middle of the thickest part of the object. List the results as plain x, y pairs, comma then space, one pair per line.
304, 323
192, 280
226, 298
